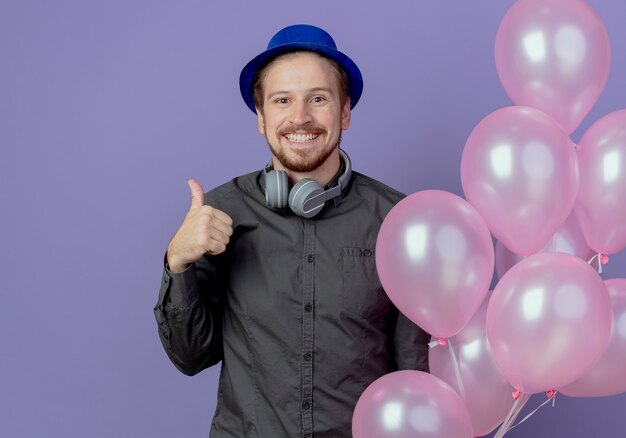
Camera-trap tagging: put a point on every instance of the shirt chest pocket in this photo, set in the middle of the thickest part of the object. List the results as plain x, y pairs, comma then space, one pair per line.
361, 291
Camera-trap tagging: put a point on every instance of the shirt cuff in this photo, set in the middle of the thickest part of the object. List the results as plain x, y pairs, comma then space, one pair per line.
178, 289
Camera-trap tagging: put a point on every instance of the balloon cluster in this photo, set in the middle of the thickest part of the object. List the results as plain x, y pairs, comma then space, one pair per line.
551, 323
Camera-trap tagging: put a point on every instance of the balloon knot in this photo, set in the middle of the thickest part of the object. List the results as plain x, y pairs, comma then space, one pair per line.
551, 393
604, 259
438, 342
516, 394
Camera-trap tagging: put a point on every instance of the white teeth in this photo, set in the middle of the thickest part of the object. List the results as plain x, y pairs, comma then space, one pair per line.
301, 138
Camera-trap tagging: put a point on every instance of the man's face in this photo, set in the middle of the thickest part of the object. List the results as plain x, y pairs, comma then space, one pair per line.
302, 117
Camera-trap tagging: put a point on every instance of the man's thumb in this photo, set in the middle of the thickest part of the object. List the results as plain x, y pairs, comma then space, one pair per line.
197, 193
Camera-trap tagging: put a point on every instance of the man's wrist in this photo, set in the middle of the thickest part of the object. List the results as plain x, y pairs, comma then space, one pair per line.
176, 269
174, 265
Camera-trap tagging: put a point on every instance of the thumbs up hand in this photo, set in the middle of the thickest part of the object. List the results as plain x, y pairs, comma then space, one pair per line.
204, 230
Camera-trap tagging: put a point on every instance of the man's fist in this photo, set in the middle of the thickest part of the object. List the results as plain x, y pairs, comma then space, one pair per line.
204, 230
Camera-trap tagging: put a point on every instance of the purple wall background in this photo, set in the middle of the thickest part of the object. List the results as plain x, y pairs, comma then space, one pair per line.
107, 107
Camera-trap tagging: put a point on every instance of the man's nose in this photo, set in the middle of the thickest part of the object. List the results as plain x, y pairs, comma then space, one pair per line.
301, 114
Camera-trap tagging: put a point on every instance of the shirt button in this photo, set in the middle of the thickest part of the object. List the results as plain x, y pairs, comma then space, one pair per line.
306, 405
308, 307
310, 258
367, 252
307, 356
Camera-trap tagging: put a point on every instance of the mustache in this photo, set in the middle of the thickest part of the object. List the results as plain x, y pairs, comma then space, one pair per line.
306, 129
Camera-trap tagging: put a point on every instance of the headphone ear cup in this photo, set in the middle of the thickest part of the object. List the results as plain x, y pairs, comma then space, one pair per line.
276, 189
300, 195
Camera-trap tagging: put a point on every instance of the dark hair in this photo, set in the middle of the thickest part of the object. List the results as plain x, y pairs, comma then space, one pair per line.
259, 77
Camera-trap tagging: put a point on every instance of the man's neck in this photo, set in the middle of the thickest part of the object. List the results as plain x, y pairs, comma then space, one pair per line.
322, 174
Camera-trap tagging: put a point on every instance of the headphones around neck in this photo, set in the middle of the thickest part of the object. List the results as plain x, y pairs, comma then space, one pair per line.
306, 198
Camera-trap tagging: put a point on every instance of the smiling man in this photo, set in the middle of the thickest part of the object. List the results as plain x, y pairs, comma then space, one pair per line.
302, 114
273, 273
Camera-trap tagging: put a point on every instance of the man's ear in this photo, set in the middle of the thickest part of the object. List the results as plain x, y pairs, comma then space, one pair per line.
345, 114
260, 120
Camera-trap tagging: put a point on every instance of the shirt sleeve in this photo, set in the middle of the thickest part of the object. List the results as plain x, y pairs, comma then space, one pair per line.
189, 314
410, 345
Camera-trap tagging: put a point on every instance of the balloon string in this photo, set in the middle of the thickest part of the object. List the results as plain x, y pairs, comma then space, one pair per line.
504, 427
600, 259
554, 242
520, 401
457, 370
551, 398
525, 398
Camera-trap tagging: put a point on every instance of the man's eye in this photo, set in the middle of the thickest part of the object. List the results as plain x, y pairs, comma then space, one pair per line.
318, 99
281, 100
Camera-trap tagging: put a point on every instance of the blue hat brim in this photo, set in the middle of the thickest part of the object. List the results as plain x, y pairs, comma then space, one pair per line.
246, 79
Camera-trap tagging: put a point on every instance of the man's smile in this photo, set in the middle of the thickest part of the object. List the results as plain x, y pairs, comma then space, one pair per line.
301, 138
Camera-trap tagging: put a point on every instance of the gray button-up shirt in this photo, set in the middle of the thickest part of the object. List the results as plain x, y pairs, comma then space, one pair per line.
294, 310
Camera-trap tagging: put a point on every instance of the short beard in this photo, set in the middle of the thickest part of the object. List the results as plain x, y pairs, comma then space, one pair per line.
305, 164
